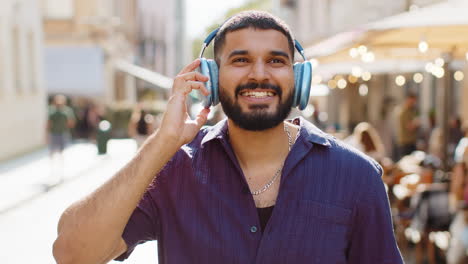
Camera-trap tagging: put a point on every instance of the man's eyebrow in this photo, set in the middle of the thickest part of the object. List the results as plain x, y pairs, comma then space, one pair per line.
279, 53
238, 52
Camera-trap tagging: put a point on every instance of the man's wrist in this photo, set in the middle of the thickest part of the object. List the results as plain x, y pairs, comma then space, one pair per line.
164, 140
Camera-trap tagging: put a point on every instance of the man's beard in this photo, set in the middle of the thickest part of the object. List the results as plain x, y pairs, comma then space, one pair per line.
258, 119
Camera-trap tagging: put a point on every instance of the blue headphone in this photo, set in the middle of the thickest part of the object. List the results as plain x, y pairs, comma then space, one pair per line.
302, 77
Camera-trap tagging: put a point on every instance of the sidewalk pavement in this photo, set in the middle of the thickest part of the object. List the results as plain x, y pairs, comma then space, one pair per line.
30, 214
27, 177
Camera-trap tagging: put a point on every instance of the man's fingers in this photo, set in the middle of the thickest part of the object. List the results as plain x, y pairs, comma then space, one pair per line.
202, 117
199, 86
191, 85
193, 76
190, 67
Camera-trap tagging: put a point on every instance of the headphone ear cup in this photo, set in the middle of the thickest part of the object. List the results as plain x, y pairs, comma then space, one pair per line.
205, 70
306, 81
297, 83
213, 68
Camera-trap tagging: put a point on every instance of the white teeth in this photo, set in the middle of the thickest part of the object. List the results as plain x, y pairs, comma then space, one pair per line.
257, 94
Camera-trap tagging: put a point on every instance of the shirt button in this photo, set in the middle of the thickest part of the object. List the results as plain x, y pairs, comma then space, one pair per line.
253, 229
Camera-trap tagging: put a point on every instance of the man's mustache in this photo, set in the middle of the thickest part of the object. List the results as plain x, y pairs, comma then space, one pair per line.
253, 86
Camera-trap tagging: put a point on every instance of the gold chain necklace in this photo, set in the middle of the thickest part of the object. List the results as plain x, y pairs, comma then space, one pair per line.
278, 172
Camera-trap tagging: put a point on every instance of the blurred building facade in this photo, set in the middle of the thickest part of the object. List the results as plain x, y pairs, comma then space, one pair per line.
22, 92
86, 40
83, 40
162, 45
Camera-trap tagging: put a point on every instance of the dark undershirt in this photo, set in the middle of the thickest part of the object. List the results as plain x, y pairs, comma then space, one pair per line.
264, 215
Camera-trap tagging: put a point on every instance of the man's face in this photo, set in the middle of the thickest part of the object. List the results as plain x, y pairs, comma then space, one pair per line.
256, 79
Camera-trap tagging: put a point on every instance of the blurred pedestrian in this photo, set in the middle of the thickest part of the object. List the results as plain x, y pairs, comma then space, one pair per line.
317, 116
366, 139
88, 118
60, 120
455, 135
255, 188
141, 125
408, 125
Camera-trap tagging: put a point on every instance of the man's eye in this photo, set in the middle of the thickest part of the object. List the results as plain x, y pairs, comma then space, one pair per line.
240, 60
276, 61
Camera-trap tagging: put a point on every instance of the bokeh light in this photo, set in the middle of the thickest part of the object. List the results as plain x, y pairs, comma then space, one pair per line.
418, 77
341, 83
400, 80
459, 76
366, 76
363, 90
423, 46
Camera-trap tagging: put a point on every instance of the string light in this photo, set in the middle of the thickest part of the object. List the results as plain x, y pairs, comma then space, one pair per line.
352, 79
400, 80
439, 62
353, 53
341, 83
362, 50
438, 72
338, 77
363, 89
423, 46
418, 77
332, 84
459, 76
366, 76
368, 57
429, 67
356, 71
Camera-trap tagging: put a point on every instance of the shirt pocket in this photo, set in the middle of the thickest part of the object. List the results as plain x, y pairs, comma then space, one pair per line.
318, 232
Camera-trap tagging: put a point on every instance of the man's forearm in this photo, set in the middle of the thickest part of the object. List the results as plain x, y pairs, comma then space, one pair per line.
89, 229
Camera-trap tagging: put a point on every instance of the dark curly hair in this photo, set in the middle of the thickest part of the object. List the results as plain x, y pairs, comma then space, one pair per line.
252, 19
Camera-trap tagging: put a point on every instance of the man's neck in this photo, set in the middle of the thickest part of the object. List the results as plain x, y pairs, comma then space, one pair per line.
255, 148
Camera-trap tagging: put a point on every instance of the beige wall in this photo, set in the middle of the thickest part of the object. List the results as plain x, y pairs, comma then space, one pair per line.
22, 95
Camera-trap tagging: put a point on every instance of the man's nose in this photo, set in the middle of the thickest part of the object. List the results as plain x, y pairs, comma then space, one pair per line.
259, 72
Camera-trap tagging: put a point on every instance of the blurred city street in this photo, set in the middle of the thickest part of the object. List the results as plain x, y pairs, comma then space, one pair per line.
31, 202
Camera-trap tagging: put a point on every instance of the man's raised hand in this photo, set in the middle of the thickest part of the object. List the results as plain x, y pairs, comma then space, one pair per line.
176, 123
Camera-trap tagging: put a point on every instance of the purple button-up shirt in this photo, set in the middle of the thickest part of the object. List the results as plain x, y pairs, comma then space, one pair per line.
331, 208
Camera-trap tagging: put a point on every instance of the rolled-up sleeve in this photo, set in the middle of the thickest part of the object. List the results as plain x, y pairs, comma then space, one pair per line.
372, 237
142, 226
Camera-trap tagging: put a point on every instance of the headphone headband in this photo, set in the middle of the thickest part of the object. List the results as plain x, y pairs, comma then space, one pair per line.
207, 41
213, 33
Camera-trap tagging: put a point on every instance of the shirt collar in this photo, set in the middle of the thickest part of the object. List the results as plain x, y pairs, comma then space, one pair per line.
217, 131
308, 131
312, 133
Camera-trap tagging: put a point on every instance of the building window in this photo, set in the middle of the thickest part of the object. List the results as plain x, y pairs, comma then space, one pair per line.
2, 61
16, 60
59, 9
32, 62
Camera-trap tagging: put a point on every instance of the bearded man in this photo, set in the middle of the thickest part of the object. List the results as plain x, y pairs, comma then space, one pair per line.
254, 188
